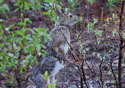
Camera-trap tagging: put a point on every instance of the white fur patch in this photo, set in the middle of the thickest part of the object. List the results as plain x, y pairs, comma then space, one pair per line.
72, 23
30, 86
58, 67
64, 47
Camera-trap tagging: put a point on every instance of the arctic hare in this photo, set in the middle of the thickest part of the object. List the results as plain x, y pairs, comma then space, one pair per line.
58, 44
60, 34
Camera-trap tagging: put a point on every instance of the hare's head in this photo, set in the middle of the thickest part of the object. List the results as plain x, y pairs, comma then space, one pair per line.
67, 19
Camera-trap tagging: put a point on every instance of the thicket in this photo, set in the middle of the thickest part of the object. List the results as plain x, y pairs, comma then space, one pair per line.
20, 48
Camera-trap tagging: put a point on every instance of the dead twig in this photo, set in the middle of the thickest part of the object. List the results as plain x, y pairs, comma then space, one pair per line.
84, 76
101, 73
113, 73
120, 46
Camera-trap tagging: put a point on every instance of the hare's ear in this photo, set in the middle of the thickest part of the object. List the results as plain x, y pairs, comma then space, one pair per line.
59, 11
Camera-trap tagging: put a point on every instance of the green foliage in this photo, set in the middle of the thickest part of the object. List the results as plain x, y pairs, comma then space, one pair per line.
91, 29
50, 10
91, 25
116, 22
52, 16
114, 32
45, 77
51, 85
111, 2
73, 3
91, 2
18, 48
3, 7
23, 4
35, 4
27, 4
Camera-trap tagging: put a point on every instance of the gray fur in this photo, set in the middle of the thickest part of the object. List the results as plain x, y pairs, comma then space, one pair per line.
57, 46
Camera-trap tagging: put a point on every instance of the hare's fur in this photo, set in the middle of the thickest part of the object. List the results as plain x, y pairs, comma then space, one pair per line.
49, 64
59, 44
60, 34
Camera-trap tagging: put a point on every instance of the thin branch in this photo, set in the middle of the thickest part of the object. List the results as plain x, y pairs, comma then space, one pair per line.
84, 76
92, 72
79, 37
120, 46
101, 73
113, 74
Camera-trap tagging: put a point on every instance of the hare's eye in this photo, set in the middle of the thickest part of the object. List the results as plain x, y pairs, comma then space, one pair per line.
70, 15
